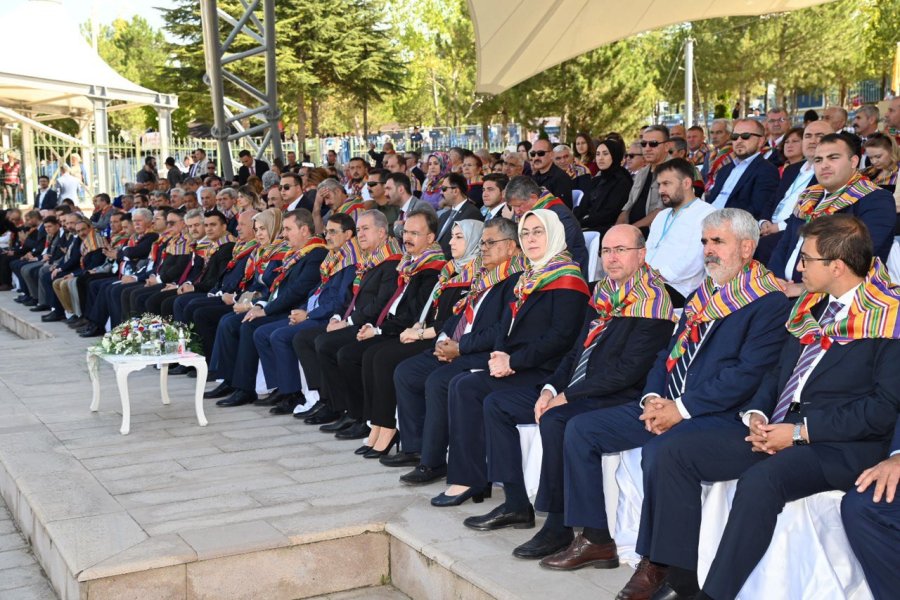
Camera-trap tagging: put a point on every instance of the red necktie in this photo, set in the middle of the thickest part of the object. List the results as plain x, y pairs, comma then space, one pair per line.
387, 307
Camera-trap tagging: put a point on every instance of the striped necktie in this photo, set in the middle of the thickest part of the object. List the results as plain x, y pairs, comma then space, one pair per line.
581, 368
807, 357
678, 375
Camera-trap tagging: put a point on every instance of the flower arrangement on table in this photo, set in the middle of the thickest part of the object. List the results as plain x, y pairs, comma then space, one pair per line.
149, 335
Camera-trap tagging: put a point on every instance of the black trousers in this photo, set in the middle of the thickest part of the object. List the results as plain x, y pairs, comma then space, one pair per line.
333, 382
206, 321
153, 303
82, 283
379, 362
139, 299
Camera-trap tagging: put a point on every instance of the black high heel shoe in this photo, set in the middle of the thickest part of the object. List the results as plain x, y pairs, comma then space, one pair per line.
477, 496
373, 453
362, 450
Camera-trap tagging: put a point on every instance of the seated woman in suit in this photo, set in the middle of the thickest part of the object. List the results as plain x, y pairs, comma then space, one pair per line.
536, 332
379, 362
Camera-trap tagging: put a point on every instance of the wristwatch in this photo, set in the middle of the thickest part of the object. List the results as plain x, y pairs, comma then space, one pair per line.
798, 439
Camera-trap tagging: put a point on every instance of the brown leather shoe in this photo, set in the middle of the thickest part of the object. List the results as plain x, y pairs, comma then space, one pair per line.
582, 553
643, 584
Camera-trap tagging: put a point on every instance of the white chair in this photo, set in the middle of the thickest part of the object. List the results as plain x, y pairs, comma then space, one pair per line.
893, 261
592, 241
577, 195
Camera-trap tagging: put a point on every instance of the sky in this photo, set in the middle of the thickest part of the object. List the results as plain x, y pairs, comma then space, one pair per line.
109, 10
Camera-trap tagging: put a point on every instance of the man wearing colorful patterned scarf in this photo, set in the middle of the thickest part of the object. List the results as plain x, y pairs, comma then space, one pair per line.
631, 322
841, 189
819, 419
727, 340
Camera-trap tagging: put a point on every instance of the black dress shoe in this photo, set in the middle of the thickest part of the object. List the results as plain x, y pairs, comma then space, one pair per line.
322, 415
339, 424
476, 494
78, 323
30, 302
72, 320
40, 308
499, 519
21, 299
53, 316
192, 373
176, 369
94, 331
287, 404
544, 543
667, 593
220, 391
423, 475
308, 410
357, 431
238, 398
401, 459
272, 399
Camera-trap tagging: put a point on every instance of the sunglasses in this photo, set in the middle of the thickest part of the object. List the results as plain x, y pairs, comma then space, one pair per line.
449, 187
373, 183
629, 155
287, 186
744, 136
535, 153
652, 144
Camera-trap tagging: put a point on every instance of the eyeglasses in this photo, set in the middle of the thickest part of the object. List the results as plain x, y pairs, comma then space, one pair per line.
535, 153
491, 243
630, 155
331, 232
618, 250
744, 136
288, 186
651, 143
778, 120
804, 258
448, 187
531, 233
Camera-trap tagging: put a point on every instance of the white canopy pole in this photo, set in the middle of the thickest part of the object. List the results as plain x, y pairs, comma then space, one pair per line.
688, 82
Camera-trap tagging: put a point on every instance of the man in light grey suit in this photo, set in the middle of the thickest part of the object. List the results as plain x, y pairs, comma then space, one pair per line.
397, 187
198, 169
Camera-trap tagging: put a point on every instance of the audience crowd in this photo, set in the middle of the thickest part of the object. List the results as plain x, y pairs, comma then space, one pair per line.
741, 324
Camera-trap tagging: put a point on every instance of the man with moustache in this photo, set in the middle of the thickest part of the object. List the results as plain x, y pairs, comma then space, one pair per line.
546, 174
643, 201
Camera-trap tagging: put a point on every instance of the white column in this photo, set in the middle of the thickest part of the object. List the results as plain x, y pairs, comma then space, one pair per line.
101, 144
87, 154
29, 162
164, 116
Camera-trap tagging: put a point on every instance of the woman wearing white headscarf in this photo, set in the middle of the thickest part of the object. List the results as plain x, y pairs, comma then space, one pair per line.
379, 362
536, 332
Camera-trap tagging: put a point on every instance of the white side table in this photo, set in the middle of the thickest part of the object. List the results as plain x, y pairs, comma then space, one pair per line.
125, 364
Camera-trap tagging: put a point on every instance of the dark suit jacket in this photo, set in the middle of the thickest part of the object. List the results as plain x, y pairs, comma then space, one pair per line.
91, 260
172, 268
467, 211
301, 280
543, 331
617, 368
51, 199
787, 180
557, 182
417, 293
895, 442
849, 401
876, 210
735, 356
230, 279
574, 237
71, 261
753, 192
244, 173
486, 327
375, 289
212, 269
335, 295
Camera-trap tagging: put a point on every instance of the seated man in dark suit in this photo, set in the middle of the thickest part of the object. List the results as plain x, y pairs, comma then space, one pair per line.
459, 208
523, 195
295, 280
816, 421
249, 167
728, 337
795, 178
872, 521
466, 342
373, 285
749, 181
608, 366
841, 189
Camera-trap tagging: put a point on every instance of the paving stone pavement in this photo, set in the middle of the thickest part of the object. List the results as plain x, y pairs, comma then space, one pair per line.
21, 578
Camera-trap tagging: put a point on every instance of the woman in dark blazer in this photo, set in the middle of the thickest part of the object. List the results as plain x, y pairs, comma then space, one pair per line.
608, 191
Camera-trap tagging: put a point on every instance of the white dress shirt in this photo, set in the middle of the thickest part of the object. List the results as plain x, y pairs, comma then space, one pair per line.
674, 248
786, 205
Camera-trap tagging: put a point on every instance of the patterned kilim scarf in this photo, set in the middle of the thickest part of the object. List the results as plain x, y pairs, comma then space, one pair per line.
874, 313
261, 259
241, 250
547, 200
431, 258
644, 295
708, 304
120, 239
206, 247
450, 277
813, 204
389, 251
352, 207
293, 257
559, 273
484, 280
355, 191
92, 242
723, 157
337, 260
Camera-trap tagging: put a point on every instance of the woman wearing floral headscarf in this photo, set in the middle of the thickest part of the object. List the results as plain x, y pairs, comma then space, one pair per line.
436, 168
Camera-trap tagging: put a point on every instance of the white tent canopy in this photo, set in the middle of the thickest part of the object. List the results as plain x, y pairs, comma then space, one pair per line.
516, 39
50, 71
